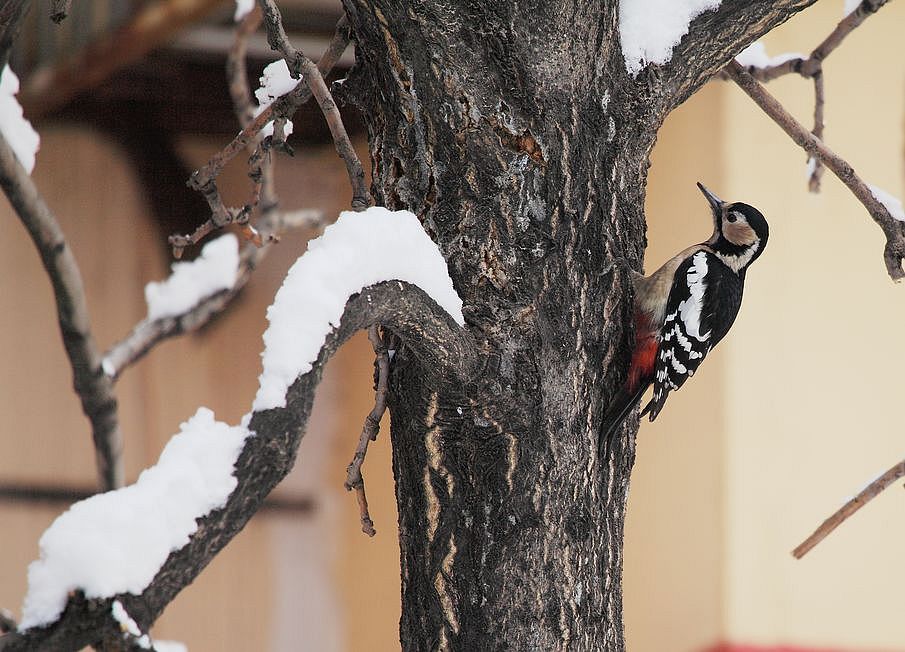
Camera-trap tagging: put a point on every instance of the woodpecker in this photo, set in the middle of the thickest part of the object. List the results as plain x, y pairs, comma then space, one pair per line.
686, 307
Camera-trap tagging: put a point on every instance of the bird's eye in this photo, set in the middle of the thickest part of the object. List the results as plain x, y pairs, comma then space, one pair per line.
731, 217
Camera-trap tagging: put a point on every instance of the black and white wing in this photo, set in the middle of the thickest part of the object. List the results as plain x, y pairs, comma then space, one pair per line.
702, 304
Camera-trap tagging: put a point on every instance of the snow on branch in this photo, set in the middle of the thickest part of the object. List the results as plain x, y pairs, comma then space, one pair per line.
359, 250
17, 131
649, 30
142, 544
192, 282
116, 542
713, 36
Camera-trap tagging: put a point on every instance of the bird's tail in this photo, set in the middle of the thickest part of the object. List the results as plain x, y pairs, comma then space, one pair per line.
620, 406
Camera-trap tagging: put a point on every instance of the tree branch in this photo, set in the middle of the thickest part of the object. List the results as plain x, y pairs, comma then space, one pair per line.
93, 387
354, 479
300, 64
867, 494
715, 37
894, 251
284, 106
447, 353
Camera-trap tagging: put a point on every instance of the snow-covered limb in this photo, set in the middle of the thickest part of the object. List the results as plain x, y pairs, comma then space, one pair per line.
713, 36
190, 283
137, 545
150, 332
649, 30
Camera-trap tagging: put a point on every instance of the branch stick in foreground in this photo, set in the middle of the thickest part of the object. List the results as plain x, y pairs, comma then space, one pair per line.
354, 479
870, 492
894, 252
93, 386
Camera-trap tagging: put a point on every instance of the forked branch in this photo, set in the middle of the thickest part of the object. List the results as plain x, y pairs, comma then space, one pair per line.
893, 229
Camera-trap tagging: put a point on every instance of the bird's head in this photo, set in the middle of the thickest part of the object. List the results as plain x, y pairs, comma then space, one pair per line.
739, 232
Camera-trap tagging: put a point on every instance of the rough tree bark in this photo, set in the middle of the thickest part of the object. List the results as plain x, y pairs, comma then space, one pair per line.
516, 135
513, 130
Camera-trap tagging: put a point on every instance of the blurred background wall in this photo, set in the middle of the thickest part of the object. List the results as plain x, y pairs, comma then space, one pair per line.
798, 408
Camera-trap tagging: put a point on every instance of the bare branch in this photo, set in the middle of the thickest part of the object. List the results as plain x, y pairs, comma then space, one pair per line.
819, 100
300, 64
867, 494
445, 350
354, 479
93, 387
894, 252
204, 179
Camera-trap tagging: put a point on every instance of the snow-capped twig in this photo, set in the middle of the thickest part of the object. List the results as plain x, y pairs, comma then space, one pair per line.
867, 494
894, 252
811, 67
148, 333
204, 179
300, 64
94, 388
354, 478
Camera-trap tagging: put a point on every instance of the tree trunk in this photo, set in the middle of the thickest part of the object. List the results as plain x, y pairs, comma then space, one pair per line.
514, 140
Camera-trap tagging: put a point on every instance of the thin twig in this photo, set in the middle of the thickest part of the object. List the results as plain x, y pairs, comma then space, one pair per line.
894, 252
300, 64
870, 492
354, 478
94, 388
817, 169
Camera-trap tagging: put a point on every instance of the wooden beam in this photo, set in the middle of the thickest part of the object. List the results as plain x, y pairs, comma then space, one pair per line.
49, 88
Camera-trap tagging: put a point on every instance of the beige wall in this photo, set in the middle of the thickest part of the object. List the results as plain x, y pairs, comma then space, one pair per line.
800, 405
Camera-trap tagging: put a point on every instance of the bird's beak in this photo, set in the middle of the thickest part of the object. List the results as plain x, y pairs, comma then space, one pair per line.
716, 204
